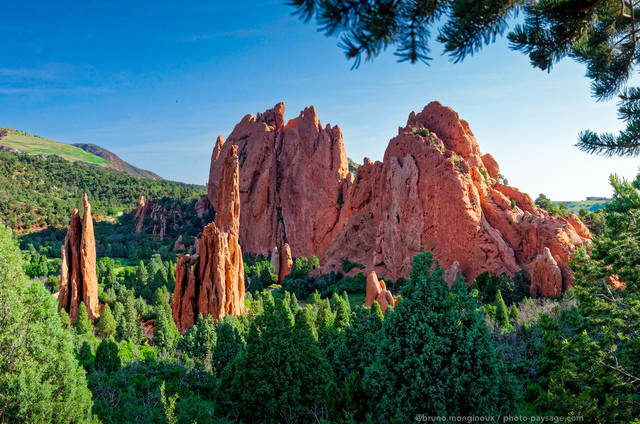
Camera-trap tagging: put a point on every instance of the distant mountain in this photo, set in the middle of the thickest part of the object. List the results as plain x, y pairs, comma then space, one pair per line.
116, 162
21, 142
353, 167
36, 145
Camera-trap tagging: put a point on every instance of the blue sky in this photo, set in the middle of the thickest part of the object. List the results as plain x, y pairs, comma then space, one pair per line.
156, 82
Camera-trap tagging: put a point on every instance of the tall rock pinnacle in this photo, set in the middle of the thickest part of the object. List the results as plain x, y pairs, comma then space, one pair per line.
212, 282
78, 279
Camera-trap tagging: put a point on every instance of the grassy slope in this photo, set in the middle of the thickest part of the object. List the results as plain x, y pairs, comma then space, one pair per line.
116, 162
42, 146
591, 205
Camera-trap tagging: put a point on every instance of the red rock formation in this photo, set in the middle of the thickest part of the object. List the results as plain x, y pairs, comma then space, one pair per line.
615, 282
546, 278
139, 213
281, 167
434, 188
286, 262
451, 275
212, 282
78, 280
179, 245
377, 290
373, 288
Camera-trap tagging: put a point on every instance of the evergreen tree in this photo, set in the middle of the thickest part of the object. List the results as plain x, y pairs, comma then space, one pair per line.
160, 296
40, 379
107, 358
199, 341
286, 368
110, 279
165, 334
229, 344
502, 313
206, 339
345, 297
600, 34
315, 298
101, 271
355, 399
128, 328
106, 323
334, 302
342, 315
142, 274
293, 303
85, 356
324, 317
83, 325
376, 312
171, 273
435, 354
267, 276
514, 315
118, 311
64, 318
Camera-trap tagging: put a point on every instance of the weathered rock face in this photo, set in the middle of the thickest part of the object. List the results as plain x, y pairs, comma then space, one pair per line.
377, 290
139, 213
434, 188
286, 262
451, 275
615, 282
546, 278
281, 169
179, 245
212, 281
78, 279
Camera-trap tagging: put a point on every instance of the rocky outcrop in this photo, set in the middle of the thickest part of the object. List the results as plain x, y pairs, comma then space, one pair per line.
377, 290
212, 282
139, 213
282, 168
615, 282
179, 245
286, 262
546, 276
78, 279
434, 188
451, 275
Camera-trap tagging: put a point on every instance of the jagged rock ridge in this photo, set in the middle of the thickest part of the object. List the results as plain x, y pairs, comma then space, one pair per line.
434, 188
212, 281
78, 279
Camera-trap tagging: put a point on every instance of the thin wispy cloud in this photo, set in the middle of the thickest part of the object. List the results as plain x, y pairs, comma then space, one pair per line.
27, 73
38, 91
238, 33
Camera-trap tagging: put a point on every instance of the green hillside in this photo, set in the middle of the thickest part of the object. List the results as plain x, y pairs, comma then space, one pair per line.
35, 145
38, 192
117, 163
590, 205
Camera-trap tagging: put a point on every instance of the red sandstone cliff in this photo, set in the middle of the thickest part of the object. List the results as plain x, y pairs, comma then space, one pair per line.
212, 281
78, 280
434, 188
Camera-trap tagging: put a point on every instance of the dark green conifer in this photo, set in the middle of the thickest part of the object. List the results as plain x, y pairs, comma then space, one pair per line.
83, 325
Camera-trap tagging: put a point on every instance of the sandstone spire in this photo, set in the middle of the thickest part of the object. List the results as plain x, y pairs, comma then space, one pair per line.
78, 280
212, 282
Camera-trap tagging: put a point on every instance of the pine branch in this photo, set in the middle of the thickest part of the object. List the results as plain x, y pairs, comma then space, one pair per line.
627, 143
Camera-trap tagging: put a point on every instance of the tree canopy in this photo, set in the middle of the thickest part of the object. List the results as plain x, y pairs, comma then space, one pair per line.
40, 380
602, 34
